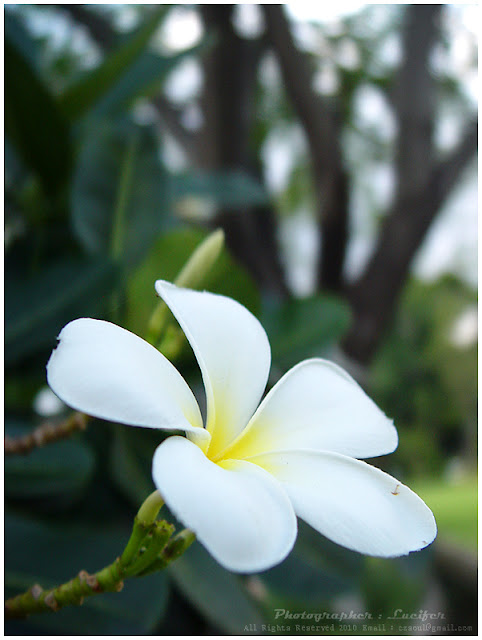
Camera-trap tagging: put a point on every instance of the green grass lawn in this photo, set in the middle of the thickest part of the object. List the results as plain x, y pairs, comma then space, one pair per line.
454, 505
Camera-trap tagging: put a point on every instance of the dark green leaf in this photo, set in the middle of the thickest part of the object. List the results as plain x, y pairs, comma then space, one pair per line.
142, 79
37, 553
21, 38
166, 259
223, 188
34, 124
14, 171
57, 469
36, 309
316, 571
295, 583
218, 594
83, 95
120, 198
21, 389
327, 555
395, 583
299, 329
130, 461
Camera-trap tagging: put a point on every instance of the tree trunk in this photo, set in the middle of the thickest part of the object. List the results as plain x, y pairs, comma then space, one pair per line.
323, 127
423, 186
228, 101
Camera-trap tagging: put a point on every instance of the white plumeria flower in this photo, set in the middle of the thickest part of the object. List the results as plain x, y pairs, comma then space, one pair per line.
240, 481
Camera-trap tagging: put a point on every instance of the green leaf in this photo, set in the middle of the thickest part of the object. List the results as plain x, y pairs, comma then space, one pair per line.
216, 593
330, 557
21, 389
130, 461
388, 584
78, 99
295, 583
234, 188
21, 38
48, 555
37, 308
142, 79
166, 259
316, 571
303, 328
34, 124
120, 197
58, 469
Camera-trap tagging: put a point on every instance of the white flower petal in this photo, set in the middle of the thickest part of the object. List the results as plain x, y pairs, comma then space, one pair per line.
317, 406
233, 353
108, 372
353, 503
239, 512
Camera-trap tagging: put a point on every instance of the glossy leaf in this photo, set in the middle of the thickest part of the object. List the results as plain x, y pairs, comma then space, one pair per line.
296, 583
234, 188
120, 200
21, 38
34, 123
141, 79
130, 461
316, 571
304, 328
37, 308
330, 557
216, 593
78, 99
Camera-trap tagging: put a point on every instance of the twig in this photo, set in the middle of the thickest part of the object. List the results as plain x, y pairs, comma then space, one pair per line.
45, 433
150, 548
146, 544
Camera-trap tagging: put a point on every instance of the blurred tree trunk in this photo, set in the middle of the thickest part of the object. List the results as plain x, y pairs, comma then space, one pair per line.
376, 292
230, 72
423, 182
322, 124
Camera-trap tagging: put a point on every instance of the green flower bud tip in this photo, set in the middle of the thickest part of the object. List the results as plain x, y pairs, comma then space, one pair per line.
201, 261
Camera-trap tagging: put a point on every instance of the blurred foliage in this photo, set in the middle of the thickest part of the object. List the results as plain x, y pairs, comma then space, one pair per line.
120, 199
60, 471
101, 83
454, 504
55, 295
426, 379
92, 220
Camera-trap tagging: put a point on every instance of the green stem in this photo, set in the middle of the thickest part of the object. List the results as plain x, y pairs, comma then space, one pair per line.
154, 543
172, 551
138, 535
151, 547
39, 600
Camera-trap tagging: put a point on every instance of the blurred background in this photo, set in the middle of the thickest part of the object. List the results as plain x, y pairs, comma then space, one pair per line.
335, 144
